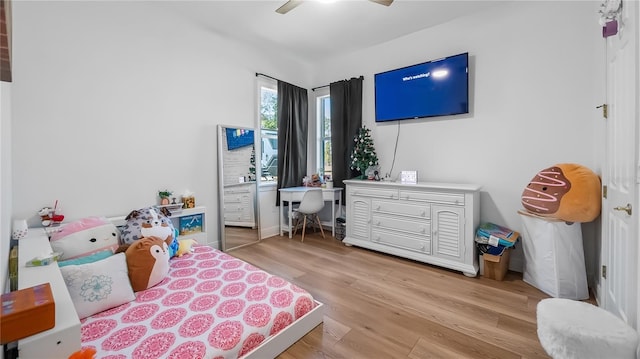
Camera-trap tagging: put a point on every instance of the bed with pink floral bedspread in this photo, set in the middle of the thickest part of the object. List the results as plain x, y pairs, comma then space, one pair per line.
211, 305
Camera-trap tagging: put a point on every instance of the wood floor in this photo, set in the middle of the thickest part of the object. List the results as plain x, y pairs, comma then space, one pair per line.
239, 236
381, 306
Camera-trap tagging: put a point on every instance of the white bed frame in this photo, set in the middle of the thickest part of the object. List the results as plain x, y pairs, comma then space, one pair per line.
64, 339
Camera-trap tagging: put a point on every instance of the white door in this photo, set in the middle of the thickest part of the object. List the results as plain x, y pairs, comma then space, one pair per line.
620, 174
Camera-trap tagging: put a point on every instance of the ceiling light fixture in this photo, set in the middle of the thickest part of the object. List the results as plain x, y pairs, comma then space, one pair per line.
291, 4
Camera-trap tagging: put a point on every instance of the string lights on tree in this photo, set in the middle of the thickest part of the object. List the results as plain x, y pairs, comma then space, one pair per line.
364, 154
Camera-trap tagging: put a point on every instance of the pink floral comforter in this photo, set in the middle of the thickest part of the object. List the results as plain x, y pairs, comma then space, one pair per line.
211, 305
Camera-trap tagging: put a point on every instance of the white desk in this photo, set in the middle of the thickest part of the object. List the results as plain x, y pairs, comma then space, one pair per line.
294, 194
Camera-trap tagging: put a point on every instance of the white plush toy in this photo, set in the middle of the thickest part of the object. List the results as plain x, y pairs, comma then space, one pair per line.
155, 227
150, 222
85, 237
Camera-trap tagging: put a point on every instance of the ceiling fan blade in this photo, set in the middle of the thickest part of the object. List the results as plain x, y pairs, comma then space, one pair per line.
288, 6
382, 2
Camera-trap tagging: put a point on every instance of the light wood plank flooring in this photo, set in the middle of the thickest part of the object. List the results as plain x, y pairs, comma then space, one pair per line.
381, 306
240, 236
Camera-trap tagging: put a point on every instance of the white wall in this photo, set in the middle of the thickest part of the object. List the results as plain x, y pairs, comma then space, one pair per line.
536, 77
114, 101
5, 181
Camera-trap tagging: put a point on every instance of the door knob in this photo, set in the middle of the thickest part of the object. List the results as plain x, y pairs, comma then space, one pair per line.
626, 209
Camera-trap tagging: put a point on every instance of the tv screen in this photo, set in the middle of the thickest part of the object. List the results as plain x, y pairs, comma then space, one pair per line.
435, 88
239, 137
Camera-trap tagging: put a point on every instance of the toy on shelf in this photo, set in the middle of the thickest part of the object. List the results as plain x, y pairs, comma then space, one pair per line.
164, 197
313, 181
48, 215
188, 200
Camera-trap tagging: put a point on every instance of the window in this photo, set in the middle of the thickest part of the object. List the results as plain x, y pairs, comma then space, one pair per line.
324, 134
268, 105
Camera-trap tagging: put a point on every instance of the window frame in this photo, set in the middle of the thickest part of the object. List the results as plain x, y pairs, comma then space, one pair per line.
321, 96
272, 85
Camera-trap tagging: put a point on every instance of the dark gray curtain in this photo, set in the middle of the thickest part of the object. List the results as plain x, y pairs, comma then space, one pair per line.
346, 119
293, 124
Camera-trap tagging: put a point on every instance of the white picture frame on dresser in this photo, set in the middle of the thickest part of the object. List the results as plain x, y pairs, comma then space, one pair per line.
432, 223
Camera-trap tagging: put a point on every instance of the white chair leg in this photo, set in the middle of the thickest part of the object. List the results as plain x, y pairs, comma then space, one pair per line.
320, 225
304, 227
295, 226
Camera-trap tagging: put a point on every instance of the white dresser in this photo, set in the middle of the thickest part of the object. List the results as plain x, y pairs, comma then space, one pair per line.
239, 205
428, 222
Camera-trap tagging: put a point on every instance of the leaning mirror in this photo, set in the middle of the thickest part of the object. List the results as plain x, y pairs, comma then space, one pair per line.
237, 187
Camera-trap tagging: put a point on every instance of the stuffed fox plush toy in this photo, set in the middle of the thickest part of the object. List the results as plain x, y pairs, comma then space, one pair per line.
147, 262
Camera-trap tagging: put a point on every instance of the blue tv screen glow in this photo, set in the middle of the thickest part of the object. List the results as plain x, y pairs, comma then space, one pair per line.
435, 88
239, 137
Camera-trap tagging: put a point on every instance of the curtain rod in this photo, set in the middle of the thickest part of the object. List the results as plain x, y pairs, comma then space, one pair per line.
275, 79
319, 87
261, 74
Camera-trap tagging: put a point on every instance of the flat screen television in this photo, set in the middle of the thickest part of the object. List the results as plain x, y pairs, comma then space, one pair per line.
238, 138
435, 88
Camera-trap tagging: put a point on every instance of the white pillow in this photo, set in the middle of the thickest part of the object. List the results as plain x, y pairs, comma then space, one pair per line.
98, 286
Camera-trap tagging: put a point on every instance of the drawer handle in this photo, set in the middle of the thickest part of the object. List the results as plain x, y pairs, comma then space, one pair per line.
378, 208
424, 213
378, 224
391, 195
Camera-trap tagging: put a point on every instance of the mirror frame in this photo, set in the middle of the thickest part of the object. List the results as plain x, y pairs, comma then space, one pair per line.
221, 220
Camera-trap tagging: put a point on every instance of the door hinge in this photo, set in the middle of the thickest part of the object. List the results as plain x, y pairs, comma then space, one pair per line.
604, 191
605, 112
604, 271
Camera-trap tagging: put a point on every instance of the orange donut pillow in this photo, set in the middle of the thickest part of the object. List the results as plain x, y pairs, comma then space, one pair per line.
567, 191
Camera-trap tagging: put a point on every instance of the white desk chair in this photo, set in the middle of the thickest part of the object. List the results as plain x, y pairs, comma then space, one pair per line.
312, 203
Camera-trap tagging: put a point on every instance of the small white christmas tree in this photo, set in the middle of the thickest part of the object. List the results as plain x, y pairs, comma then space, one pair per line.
364, 154
252, 167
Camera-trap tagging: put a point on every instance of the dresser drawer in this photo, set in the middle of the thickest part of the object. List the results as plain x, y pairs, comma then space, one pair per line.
233, 199
231, 193
417, 227
372, 192
234, 207
437, 197
403, 241
402, 208
233, 216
